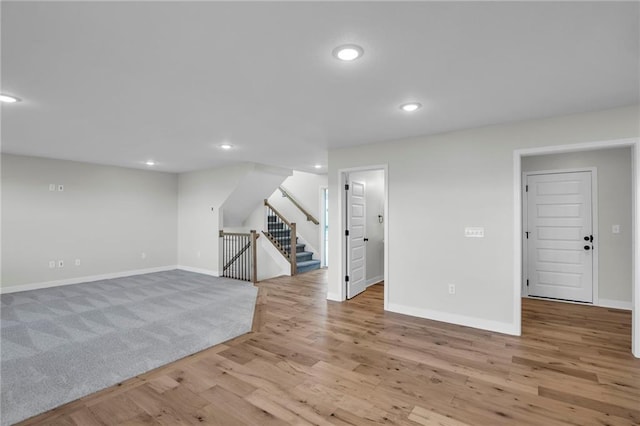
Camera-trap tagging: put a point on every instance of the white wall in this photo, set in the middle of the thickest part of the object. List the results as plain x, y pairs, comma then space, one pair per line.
439, 184
201, 196
374, 199
305, 188
205, 199
250, 192
270, 262
614, 207
106, 217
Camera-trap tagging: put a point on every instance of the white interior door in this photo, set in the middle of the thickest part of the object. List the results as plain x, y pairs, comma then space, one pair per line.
560, 236
356, 250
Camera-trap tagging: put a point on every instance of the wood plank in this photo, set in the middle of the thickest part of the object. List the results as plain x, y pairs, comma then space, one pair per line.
431, 418
311, 361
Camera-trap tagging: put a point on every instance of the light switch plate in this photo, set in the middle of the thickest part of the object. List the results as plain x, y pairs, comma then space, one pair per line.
474, 232
615, 229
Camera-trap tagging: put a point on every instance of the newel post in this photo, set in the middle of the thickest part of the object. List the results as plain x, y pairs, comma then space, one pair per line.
293, 251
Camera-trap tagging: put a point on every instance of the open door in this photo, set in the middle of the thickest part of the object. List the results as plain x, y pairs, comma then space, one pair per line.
356, 250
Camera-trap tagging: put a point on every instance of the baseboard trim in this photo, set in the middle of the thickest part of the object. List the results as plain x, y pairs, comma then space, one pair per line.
374, 280
602, 303
85, 279
615, 304
198, 270
483, 324
334, 297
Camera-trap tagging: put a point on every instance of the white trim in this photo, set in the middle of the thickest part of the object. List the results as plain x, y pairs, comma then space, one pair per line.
517, 246
634, 143
85, 279
374, 280
323, 259
615, 304
635, 229
198, 270
483, 324
603, 303
335, 297
595, 272
341, 247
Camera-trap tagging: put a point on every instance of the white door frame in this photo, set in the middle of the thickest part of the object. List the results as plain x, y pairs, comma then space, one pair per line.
594, 226
634, 143
342, 180
323, 205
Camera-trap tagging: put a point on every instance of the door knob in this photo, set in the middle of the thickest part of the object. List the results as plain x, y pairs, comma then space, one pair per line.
587, 247
586, 238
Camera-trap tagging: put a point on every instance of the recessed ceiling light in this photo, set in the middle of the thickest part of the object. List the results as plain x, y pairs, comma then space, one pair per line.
317, 166
410, 107
226, 146
150, 163
8, 99
348, 52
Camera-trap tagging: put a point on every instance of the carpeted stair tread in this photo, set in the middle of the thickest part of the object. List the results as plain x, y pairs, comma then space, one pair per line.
303, 256
299, 247
308, 265
282, 237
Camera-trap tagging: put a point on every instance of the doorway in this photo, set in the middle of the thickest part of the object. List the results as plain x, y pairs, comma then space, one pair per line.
363, 212
560, 241
633, 182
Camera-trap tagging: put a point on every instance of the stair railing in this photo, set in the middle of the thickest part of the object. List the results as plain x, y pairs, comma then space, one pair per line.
282, 234
295, 202
239, 255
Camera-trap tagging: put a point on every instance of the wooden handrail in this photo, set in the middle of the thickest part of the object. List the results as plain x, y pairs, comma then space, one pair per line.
295, 202
291, 255
293, 249
266, 203
240, 234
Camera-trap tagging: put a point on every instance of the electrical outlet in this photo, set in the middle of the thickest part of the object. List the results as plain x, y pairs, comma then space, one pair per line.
452, 289
60, 263
143, 255
199, 255
52, 264
77, 262
60, 188
52, 187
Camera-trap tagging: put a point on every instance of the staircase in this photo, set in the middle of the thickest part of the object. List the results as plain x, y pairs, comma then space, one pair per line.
280, 236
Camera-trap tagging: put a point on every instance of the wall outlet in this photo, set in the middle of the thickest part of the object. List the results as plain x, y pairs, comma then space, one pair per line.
199, 254
143, 255
615, 229
77, 262
60, 263
52, 187
52, 264
452, 289
60, 188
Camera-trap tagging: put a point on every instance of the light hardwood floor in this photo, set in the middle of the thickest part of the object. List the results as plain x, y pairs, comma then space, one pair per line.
309, 361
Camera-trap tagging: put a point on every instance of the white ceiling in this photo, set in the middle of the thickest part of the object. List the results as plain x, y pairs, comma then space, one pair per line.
121, 82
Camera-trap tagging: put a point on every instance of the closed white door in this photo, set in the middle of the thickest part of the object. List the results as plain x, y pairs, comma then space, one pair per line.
356, 250
559, 234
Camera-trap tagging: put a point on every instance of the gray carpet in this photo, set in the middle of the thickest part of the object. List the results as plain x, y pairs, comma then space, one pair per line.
62, 343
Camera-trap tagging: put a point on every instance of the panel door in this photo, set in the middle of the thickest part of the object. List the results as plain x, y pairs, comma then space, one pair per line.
356, 249
560, 243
